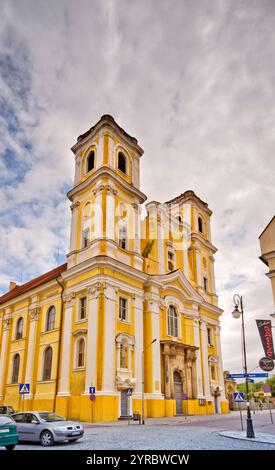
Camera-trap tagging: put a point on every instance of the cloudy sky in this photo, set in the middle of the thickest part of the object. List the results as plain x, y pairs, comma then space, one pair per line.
193, 80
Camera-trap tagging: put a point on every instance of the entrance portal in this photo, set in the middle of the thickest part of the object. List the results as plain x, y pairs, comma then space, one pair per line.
123, 404
178, 392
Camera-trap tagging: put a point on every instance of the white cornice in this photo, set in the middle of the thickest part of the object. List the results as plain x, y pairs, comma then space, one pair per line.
106, 172
102, 261
196, 236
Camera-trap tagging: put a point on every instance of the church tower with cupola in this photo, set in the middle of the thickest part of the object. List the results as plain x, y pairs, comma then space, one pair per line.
106, 196
133, 310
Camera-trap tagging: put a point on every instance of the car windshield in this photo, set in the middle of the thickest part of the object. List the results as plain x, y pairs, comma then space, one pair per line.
50, 417
3, 410
5, 421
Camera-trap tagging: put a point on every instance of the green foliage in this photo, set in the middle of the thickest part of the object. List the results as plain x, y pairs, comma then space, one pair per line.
256, 387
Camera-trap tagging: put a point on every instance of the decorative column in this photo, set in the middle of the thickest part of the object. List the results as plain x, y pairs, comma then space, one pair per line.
4, 349
110, 212
109, 339
188, 371
64, 387
73, 239
199, 273
98, 216
138, 343
136, 227
204, 343
160, 234
220, 364
194, 377
77, 176
198, 360
152, 353
186, 237
167, 372
213, 283
34, 316
93, 293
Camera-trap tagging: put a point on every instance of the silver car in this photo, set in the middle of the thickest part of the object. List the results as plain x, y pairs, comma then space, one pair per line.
46, 427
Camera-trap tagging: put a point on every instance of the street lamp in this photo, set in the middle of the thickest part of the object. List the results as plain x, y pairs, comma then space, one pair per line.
238, 301
142, 375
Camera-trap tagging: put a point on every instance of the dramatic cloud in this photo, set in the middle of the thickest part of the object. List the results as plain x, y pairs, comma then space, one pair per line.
192, 80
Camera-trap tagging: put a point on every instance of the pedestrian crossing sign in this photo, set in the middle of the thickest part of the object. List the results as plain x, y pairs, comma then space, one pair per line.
24, 388
238, 397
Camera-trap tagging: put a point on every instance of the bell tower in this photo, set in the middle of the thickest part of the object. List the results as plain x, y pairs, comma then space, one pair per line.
106, 197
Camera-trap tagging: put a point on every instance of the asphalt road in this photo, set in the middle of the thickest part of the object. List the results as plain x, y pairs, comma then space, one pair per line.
193, 433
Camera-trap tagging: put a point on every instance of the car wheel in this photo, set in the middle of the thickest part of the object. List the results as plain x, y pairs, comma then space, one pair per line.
10, 447
46, 439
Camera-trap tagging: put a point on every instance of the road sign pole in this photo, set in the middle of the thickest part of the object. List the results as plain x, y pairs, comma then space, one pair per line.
271, 417
241, 416
249, 424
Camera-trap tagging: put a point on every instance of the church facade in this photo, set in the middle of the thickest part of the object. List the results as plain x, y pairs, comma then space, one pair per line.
133, 312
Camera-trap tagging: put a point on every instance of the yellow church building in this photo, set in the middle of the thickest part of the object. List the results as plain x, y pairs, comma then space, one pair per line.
136, 301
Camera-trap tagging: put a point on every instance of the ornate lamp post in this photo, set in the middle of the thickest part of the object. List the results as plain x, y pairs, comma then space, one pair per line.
237, 313
142, 364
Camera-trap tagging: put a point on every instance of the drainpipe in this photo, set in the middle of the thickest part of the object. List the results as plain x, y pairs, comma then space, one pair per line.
60, 342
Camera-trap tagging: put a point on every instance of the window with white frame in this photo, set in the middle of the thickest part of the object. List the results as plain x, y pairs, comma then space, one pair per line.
80, 352
19, 329
47, 365
123, 304
82, 308
210, 336
172, 321
15, 369
50, 319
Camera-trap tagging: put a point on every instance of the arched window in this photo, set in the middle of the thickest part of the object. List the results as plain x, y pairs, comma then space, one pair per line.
50, 320
91, 161
122, 162
15, 369
80, 352
47, 366
172, 320
19, 328
200, 225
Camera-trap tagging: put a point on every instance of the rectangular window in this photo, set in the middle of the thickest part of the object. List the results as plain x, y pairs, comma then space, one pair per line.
122, 309
205, 284
122, 237
82, 308
209, 337
85, 237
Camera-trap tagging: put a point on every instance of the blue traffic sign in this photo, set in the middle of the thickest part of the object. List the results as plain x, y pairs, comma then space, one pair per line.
242, 376
255, 376
238, 397
129, 392
24, 388
92, 390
